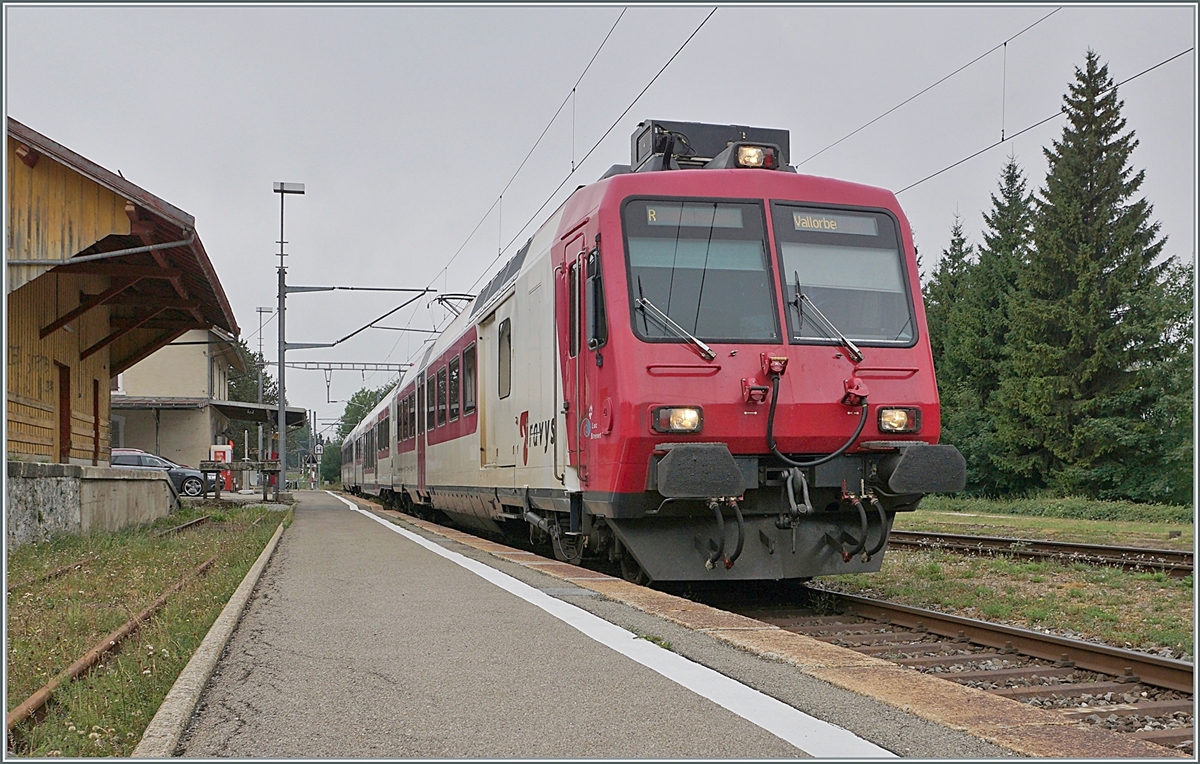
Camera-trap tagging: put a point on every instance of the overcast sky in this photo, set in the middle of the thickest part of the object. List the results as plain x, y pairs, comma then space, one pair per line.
405, 124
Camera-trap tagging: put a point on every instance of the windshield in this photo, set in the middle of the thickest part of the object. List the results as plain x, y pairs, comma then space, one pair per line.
848, 265
704, 265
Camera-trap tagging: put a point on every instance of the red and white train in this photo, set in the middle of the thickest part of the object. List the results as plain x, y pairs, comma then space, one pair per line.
704, 365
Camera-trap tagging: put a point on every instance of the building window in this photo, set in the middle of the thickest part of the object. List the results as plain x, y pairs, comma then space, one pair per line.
117, 431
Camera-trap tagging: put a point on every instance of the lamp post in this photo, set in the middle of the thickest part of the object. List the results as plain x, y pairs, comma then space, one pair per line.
283, 189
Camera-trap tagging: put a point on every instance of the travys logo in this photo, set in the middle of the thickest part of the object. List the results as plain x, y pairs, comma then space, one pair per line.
536, 434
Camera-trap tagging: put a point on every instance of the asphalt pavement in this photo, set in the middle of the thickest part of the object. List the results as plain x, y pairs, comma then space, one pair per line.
363, 642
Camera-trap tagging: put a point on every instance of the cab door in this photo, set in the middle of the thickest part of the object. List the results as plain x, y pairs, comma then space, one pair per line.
587, 378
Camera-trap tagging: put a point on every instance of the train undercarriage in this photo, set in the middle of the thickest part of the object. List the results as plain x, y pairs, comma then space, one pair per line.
701, 523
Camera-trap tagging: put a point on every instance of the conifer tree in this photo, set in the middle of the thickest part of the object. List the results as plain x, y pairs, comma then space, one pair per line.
975, 350
1095, 337
945, 288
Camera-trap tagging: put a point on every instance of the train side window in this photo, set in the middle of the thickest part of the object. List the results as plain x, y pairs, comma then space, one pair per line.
430, 404
597, 321
412, 414
504, 366
573, 309
454, 379
385, 434
468, 379
441, 396
402, 418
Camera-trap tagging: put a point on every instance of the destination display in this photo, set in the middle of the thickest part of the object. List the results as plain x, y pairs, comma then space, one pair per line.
829, 223
694, 215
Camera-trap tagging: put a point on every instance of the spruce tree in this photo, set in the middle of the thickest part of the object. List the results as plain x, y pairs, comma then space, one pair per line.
976, 352
945, 288
1095, 346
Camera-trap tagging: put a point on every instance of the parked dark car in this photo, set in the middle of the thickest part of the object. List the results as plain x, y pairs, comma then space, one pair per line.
187, 480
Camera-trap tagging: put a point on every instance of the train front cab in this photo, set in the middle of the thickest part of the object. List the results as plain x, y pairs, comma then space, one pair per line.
701, 313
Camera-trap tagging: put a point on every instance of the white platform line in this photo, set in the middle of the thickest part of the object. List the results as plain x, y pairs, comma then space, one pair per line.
815, 737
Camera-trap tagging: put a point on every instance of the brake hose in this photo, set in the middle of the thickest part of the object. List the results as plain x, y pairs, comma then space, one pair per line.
883, 528
862, 421
719, 551
741, 528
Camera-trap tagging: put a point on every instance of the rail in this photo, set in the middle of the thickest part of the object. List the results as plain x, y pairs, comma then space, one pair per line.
1175, 563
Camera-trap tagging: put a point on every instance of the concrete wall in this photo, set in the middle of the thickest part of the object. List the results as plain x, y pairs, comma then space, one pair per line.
110, 499
184, 435
46, 499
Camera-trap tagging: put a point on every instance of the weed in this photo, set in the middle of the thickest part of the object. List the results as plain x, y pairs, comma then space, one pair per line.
996, 609
824, 603
931, 570
664, 644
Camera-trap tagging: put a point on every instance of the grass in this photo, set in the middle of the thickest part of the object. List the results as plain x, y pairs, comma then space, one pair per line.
1122, 608
985, 517
1064, 507
52, 623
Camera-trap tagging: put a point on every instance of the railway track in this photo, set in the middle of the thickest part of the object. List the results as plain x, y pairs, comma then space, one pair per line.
1144, 695
1175, 563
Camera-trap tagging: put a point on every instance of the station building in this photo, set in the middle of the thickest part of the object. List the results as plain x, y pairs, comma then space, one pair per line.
100, 275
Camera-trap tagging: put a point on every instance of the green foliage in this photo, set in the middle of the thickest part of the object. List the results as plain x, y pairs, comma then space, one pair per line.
1065, 352
359, 405
946, 287
331, 461
975, 351
244, 386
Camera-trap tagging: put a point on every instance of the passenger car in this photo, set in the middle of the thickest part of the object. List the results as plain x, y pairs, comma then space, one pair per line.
187, 480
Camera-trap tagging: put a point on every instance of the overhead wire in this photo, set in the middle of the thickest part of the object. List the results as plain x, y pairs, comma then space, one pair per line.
596, 145
533, 148
931, 87
1059, 113
445, 269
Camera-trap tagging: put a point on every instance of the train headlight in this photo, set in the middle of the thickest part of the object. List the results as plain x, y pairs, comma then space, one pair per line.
677, 419
906, 419
756, 156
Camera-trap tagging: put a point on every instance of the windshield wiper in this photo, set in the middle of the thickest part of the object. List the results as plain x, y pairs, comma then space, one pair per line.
649, 308
802, 298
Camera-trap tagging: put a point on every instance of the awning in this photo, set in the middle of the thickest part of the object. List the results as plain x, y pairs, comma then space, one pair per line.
259, 412
267, 413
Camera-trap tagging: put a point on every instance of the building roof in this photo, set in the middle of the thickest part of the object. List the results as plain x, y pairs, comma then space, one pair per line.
169, 291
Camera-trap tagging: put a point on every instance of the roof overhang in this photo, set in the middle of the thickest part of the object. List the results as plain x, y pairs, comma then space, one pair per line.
266, 413
157, 293
260, 412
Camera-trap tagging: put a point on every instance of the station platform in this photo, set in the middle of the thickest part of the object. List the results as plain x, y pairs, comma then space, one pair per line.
373, 635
